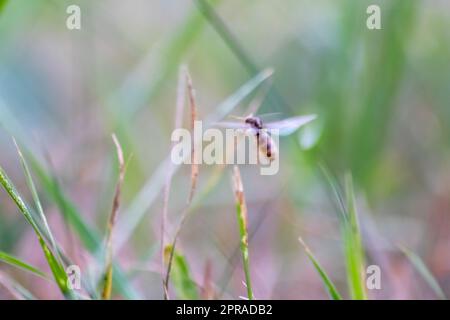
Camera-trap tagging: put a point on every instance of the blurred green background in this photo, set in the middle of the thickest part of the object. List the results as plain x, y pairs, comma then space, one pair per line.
382, 97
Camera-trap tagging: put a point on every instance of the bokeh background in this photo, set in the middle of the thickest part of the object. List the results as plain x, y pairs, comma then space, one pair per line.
382, 97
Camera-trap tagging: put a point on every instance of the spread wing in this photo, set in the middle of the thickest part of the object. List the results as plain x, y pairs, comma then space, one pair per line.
290, 125
270, 117
230, 125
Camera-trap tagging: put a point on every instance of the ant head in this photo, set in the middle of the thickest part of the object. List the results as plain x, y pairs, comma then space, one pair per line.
254, 121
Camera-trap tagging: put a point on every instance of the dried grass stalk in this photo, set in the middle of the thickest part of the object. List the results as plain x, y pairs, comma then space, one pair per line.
179, 110
107, 288
194, 179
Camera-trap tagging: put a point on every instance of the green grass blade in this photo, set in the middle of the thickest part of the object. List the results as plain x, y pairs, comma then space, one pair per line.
16, 262
244, 250
331, 288
10, 189
57, 269
242, 217
351, 235
390, 48
36, 199
426, 274
88, 235
185, 287
353, 248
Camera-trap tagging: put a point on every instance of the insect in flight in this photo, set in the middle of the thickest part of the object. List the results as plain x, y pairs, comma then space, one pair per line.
254, 126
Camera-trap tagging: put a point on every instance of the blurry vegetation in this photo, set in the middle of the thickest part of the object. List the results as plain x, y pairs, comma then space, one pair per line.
382, 97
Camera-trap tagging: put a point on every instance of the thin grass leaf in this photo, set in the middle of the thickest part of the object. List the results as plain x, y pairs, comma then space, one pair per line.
45, 231
194, 165
372, 120
183, 284
179, 110
54, 260
194, 178
107, 287
36, 199
354, 252
57, 269
351, 235
426, 274
330, 287
89, 236
16, 262
336, 190
242, 217
85, 281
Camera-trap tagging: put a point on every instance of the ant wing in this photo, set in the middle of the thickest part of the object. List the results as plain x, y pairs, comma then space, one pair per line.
230, 125
290, 125
266, 117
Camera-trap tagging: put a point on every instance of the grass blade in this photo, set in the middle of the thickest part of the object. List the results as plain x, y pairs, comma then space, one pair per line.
16, 262
331, 288
185, 287
179, 110
194, 178
354, 252
88, 235
242, 217
57, 269
335, 191
194, 166
351, 235
107, 288
36, 199
426, 274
